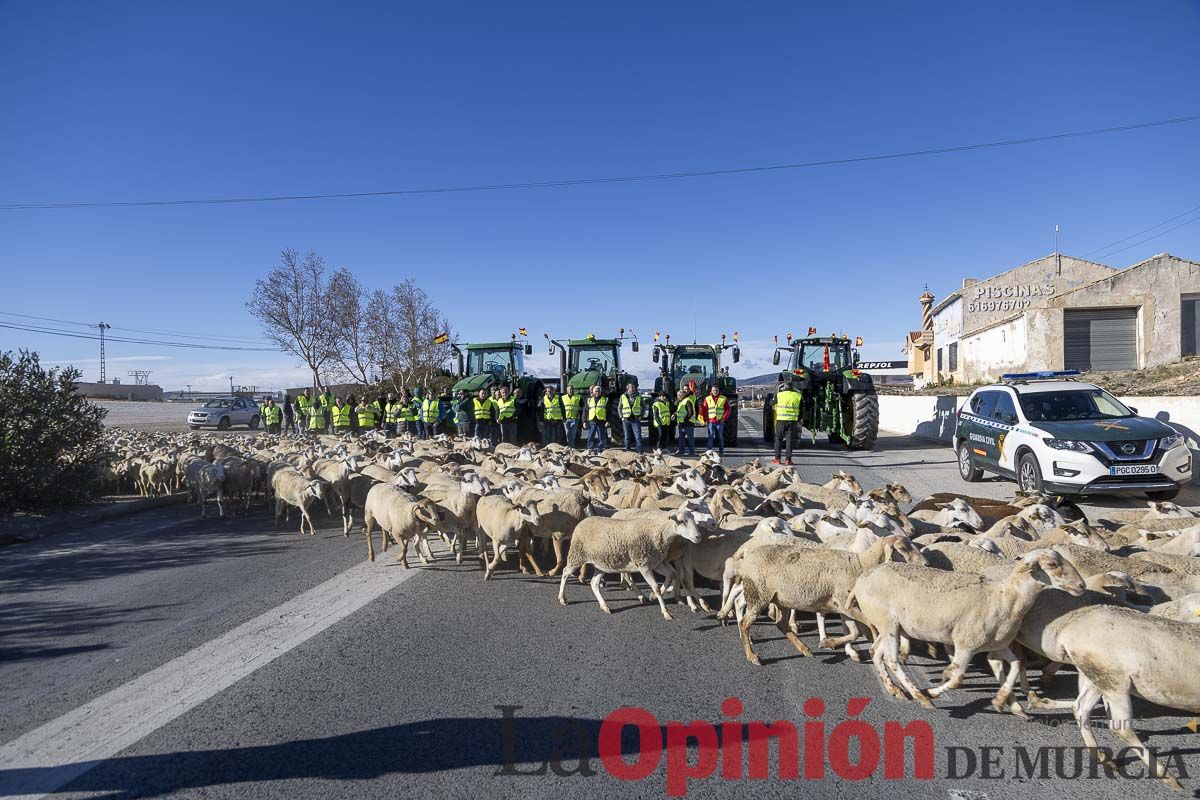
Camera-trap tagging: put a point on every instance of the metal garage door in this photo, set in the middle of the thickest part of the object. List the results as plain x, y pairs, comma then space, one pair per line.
1103, 339
1191, 326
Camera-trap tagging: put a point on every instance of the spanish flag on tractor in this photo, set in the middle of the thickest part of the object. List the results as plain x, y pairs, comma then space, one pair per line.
521, 331
441, 338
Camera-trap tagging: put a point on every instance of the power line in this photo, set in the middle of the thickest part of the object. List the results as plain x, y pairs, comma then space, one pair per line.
139, 330
1149, 238
661, 176
1146, 230
127, 340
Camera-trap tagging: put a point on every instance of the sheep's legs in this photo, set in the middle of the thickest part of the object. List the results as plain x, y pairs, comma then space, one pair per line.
648, 576
562, 585
595, 583
890, 648
559, 560
368, 524
1089, 695
744, 630
956, 670
1000, 701
786, 630
1120, 719
852, 633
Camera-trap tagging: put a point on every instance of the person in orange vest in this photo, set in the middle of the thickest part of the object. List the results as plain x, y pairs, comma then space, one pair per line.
714, 410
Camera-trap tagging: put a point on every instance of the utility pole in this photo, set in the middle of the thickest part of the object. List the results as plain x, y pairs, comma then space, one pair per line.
103, 326
1057, 257
231, 384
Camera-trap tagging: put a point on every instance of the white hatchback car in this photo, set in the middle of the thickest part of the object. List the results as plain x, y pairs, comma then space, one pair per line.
1058, 435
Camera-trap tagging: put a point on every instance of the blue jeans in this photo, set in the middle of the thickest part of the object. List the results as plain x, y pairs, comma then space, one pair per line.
686, 435
571, 429
716, 431
420, 429
598, 434
633, 430
550, 429
483, 429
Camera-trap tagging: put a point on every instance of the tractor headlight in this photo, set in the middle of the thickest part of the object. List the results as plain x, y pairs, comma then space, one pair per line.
1171, 442
1069, 444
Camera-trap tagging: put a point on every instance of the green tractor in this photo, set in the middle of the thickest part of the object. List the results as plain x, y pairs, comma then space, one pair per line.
839, 399
488, 364
697, 367
584, 363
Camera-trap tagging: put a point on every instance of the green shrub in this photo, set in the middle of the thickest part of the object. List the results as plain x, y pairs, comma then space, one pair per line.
53, 440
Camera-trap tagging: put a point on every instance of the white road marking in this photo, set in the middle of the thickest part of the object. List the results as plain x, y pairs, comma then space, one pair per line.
65, 748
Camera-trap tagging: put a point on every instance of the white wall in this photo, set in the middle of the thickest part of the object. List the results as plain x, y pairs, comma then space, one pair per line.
990, 353
934, 417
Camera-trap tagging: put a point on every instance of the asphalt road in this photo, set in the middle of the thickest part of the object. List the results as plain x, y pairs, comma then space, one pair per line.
166, 655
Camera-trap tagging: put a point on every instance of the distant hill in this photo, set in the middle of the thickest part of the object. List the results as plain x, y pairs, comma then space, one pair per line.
770, 377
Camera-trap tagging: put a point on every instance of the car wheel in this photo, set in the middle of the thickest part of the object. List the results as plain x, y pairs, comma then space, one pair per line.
1164, 495
223, 425
966, 464
194, 427
1029, 474
253, 423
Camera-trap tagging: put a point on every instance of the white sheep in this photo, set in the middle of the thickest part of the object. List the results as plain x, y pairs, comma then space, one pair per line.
292, 489
506, 524
401, 517
640, 544
966, 610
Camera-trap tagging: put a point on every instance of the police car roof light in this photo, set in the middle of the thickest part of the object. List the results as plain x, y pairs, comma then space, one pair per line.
1044, 375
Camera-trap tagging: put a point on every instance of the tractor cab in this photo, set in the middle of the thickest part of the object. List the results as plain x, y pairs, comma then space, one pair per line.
828, 354
481, 366
696, 364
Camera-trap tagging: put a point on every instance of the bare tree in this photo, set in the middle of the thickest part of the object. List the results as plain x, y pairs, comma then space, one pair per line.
402, 325
356, 354
295, 306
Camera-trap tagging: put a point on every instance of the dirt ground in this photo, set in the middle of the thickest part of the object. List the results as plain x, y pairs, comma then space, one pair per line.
1181, 379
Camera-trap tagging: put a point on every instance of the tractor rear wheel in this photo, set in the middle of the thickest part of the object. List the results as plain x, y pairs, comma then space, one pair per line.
731, 430
768, 422
864, 429
616, 430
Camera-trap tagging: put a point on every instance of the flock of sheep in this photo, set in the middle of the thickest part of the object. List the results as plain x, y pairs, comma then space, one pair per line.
1030, 581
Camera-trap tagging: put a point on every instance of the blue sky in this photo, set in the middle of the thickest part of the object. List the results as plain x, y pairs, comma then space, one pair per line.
130, 101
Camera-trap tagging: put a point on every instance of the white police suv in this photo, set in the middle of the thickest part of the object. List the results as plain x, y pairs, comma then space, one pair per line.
1059, 435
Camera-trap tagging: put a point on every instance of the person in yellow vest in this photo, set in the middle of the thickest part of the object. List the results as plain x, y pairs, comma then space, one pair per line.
570, 408
406, 414
391, 414
506, 415
377, 405
685, 423
495, 429
272, 416
552, 416
597, 420
316, 419
326, 401
464, 413
714, 410
303, 407
630, 407
483, 415
430, 411
660, 421
365, 414
787, 420
341, 414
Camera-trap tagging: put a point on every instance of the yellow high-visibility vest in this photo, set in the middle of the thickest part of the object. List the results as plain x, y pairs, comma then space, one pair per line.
483, 410
506, 409
787, 406
631, 410
661, 413
570, 404
716, 408
685, 412
341, 416
429, 410
552, 409
316, 418
366, 416
272, 415
597, 409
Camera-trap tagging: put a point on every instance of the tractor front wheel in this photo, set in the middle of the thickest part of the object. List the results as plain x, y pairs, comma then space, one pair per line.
768, 422
864, 428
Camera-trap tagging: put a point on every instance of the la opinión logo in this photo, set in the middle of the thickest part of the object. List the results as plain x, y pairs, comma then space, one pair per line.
632, 744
